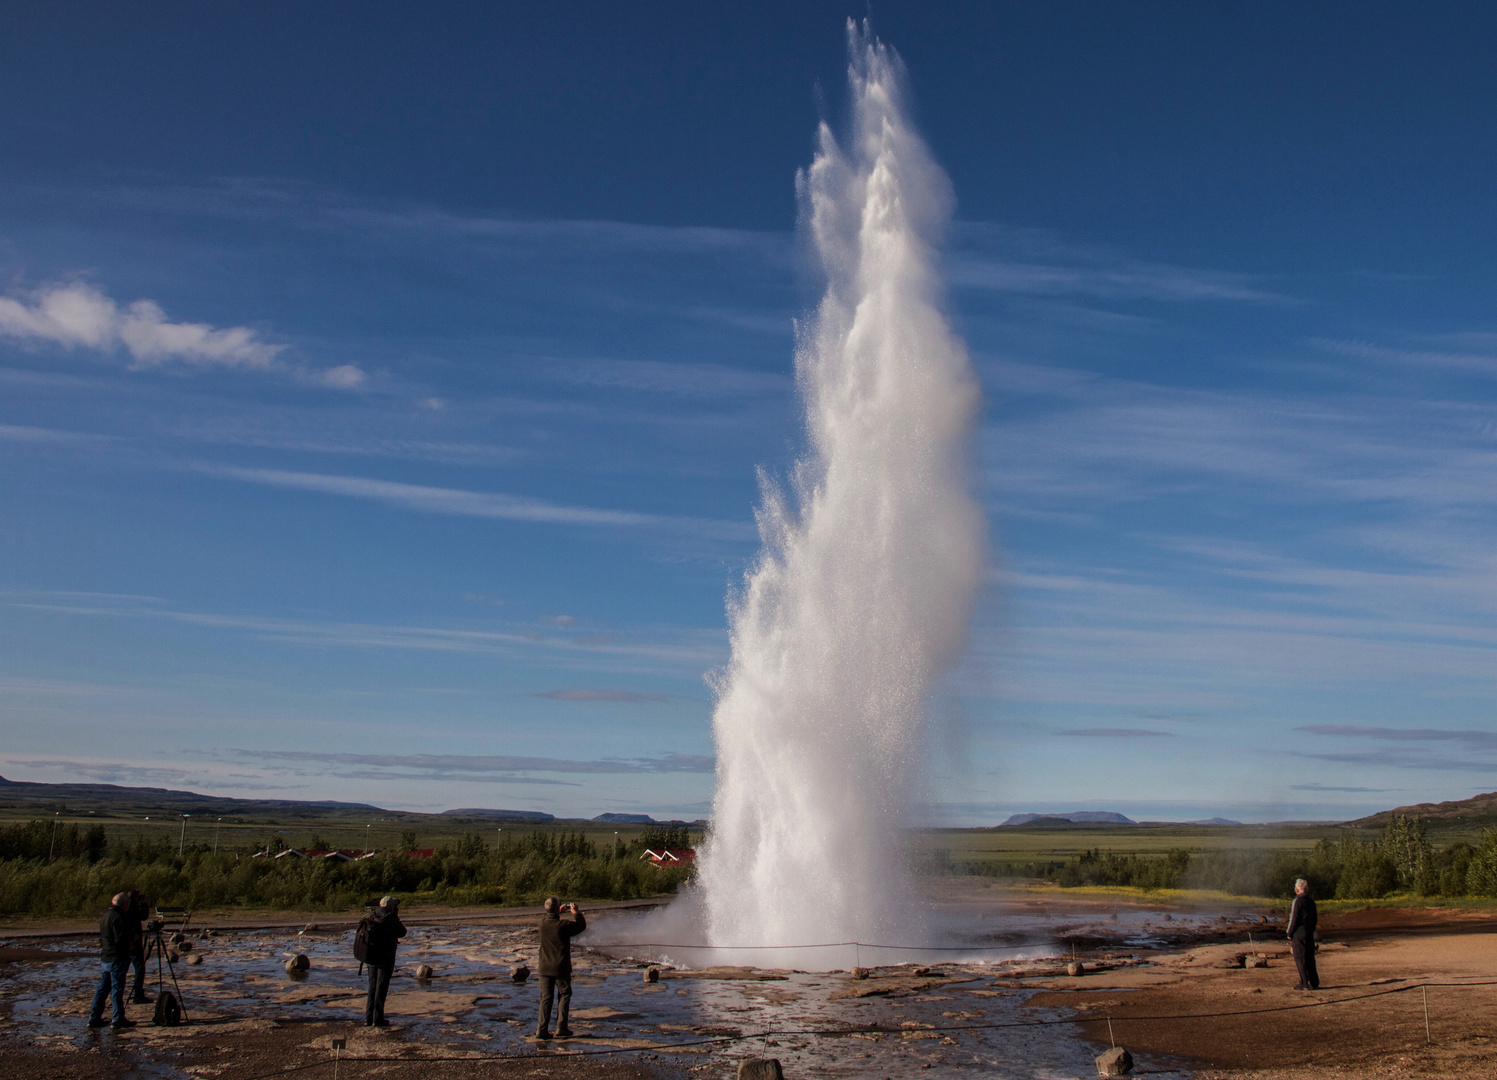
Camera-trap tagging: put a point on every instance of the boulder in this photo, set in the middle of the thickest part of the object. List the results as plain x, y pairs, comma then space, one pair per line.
760, 1069
1074, 968
652, 974
311, 926
921, 973
177, 938
171, 956
519, 973
299, 962
424, 971
856, 973
1114, 1062
184, 946
1255, 961
195, 958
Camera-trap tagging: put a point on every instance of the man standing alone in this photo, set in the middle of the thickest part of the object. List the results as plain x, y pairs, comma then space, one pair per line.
559, 925
114, 956
385, 932
1301, 931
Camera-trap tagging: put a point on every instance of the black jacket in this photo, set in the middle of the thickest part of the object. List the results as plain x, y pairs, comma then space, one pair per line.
384, 936
114, 936
556, 943
1301, 917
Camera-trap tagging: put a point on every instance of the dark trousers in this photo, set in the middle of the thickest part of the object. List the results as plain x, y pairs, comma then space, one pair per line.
111, 985
138, 962
561, 987
1303, 947
379, 987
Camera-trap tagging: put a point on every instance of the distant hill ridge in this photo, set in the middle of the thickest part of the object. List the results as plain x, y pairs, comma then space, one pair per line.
1459, 811
499, 815
1103, 817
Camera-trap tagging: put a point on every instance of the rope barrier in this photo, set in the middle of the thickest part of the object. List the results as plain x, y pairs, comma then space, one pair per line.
600, 945
722, 1040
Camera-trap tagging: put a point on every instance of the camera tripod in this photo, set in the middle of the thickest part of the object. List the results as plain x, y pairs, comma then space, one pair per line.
155, 941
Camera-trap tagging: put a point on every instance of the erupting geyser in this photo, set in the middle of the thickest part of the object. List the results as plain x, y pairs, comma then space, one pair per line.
863, 592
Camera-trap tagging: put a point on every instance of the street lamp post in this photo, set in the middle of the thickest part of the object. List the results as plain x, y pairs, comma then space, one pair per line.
53, 851
182, 842
220, 825
367, 849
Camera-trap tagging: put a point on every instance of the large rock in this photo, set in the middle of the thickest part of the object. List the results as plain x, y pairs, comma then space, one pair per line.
184, 946
652, 974
1114, 1062
299, 962
1255, 961
424, 971
519, 973
1074, 968
859, 973
195, 958
760, 1069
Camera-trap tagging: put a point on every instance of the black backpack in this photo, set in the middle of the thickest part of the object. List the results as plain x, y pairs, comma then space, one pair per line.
361, 942
168, 1012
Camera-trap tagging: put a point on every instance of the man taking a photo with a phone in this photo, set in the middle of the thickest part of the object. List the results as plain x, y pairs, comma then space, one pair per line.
559, 925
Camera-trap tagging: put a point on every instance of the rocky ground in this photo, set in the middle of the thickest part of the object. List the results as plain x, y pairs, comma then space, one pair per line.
1172, 985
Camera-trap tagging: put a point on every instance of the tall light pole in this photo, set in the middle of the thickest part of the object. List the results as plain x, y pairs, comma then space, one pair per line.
220, 825
182, 843
367, 849
53, 851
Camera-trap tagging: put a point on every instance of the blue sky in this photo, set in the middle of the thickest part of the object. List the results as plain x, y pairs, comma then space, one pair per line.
382, 389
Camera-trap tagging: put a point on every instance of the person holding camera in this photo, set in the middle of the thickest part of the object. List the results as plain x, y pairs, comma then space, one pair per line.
559, 925
136, 919
114, 958
385, 932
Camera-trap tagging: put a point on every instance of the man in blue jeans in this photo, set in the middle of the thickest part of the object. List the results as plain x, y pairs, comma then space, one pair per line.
114, 957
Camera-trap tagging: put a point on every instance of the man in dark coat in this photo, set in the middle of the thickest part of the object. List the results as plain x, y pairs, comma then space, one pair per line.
135, 918
559, 925
114, 958
385, 932
1301, 931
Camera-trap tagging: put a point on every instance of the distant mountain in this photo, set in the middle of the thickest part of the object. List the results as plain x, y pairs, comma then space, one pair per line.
1089, 817
1214, 821
1476, 810
23, 793
625, 819
499, 815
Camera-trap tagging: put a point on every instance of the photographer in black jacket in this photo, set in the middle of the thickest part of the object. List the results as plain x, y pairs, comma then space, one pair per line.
136, 918
385, 932
1301, 933
559, 925
114, 957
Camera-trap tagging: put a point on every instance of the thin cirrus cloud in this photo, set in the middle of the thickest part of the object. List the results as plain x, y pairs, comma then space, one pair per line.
1118, 733
1474, 738
466, 765
435, 500
626, 697
79, 315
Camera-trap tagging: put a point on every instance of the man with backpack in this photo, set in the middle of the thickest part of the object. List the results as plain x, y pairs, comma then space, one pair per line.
374, 943
559, 925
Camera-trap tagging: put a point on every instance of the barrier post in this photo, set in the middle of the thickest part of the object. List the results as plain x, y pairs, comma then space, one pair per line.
1424, 991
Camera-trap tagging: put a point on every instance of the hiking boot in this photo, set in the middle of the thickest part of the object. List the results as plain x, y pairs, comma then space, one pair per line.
382, 1022
542, 1034
563, 1033
141, 999
98, 1022
122, 1024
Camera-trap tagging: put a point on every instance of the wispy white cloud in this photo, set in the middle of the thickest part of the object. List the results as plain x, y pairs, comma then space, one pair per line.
629, 697
21, 433
435, 500
80, 315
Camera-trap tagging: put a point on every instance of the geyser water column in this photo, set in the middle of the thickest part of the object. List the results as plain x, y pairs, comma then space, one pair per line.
862, 594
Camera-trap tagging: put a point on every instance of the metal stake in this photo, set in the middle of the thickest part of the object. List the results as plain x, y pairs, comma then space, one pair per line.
1109, 1032
1424, 991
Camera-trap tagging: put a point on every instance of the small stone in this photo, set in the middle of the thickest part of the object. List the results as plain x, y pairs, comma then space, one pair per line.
652, 975
921, 973
424, 971
519, 973
1255, 961
1168, 917
1075, 968
184, 946
171, 956
177, 938
760, 1069
311, 926
856, 973
299, 962
195, 958
1114, 1062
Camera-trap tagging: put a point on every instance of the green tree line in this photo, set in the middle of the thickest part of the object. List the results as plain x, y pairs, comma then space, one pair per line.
79, 878
1400, 860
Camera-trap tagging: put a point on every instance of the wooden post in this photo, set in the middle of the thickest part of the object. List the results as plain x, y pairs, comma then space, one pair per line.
1424, 991
1109, 1032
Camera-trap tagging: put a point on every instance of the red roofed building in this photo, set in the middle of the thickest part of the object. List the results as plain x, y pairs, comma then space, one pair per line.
677, 857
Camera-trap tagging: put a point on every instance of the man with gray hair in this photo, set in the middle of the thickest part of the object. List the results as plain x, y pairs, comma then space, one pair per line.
114, 958
559, 925
1301, 932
